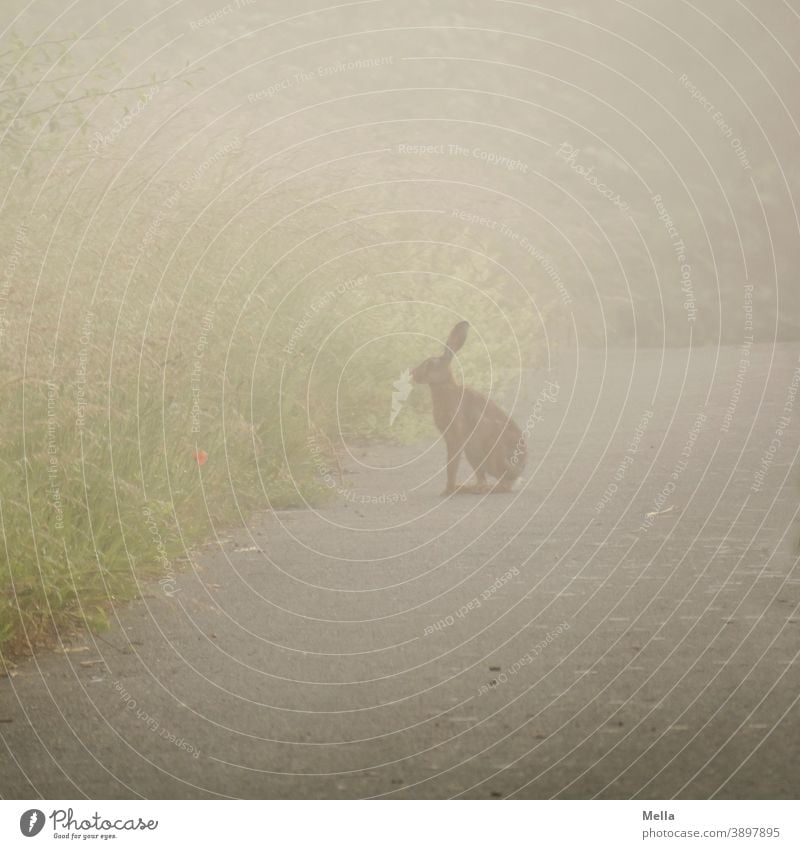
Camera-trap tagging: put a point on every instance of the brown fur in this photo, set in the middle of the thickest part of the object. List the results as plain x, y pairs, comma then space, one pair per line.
471, 424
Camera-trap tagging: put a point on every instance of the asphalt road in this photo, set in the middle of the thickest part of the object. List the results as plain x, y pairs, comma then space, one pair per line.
556, 642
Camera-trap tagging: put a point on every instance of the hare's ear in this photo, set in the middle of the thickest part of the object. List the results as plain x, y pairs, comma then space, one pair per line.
456, 339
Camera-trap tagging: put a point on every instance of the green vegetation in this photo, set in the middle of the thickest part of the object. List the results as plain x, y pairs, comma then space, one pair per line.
211, 278
173, 346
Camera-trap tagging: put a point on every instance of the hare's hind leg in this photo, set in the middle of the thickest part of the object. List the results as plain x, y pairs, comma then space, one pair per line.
453, 458
505, 483
480, 484
479, 487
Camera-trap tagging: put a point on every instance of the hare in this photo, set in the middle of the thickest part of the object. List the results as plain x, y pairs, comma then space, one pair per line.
471, 423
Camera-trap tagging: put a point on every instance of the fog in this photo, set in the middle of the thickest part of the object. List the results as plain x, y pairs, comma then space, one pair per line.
236, 239
516, 131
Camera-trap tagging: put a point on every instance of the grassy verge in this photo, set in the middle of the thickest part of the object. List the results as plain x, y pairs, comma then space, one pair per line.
139, 418
184, 340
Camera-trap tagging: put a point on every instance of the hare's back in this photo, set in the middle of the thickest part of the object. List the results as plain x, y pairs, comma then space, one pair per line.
480, 409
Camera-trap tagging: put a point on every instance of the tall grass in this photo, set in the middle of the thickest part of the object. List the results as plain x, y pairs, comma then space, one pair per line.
175, 335
133, 428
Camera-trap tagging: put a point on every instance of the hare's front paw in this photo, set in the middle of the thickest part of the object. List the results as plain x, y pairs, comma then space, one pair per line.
448, 490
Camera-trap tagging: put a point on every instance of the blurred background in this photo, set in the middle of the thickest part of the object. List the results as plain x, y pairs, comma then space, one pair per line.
229, 229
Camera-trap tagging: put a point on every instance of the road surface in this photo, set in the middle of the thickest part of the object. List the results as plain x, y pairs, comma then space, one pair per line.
624, 625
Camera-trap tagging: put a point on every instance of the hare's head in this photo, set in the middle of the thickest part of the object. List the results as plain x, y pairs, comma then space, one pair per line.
437, 369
